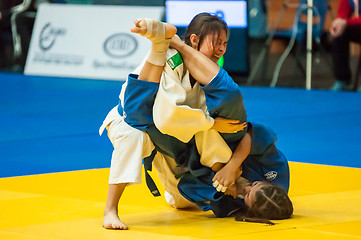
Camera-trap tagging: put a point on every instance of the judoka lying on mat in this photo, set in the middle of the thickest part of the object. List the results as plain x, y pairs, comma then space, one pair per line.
172, 113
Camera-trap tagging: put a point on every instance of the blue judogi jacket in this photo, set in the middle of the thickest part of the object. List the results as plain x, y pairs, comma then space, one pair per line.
139, 99
265, 161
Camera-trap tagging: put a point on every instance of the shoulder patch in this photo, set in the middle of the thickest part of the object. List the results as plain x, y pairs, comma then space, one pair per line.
175, 61
271, 175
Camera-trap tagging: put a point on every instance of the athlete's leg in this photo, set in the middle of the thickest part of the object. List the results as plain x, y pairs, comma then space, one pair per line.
160, 35
130, 147
122, 171
111, 218
167, 170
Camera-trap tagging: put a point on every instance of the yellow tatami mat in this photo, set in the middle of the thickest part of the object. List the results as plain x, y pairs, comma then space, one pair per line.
69, 205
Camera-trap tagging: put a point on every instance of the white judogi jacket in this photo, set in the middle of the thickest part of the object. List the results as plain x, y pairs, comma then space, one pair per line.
180, 111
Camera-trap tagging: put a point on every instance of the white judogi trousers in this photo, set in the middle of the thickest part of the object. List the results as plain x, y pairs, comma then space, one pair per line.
179, 111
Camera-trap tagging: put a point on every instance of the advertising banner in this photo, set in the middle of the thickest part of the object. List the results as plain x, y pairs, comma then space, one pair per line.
87, 41
181, 12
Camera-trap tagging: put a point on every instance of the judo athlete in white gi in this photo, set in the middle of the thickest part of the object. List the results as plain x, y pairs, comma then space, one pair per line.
131, 145
123, 135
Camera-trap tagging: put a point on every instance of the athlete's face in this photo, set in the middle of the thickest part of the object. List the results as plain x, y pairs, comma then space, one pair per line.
250, 192
212, 49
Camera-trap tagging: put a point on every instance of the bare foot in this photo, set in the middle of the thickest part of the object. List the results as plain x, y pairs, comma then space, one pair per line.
112, 221
141, 28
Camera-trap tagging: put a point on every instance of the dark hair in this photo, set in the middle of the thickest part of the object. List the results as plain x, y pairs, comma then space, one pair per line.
272, 203
202, 25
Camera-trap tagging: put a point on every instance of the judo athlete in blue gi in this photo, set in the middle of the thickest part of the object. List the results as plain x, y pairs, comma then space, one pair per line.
187, 133
264, 162
223, 98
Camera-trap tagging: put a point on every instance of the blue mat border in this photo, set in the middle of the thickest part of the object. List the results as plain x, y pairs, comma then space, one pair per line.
50, 124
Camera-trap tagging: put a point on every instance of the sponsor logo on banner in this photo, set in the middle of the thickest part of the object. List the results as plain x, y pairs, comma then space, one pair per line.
120, 45
68, 41
48, 37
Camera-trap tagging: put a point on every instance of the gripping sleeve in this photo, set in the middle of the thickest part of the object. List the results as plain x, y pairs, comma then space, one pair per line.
138, 102
266, 161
